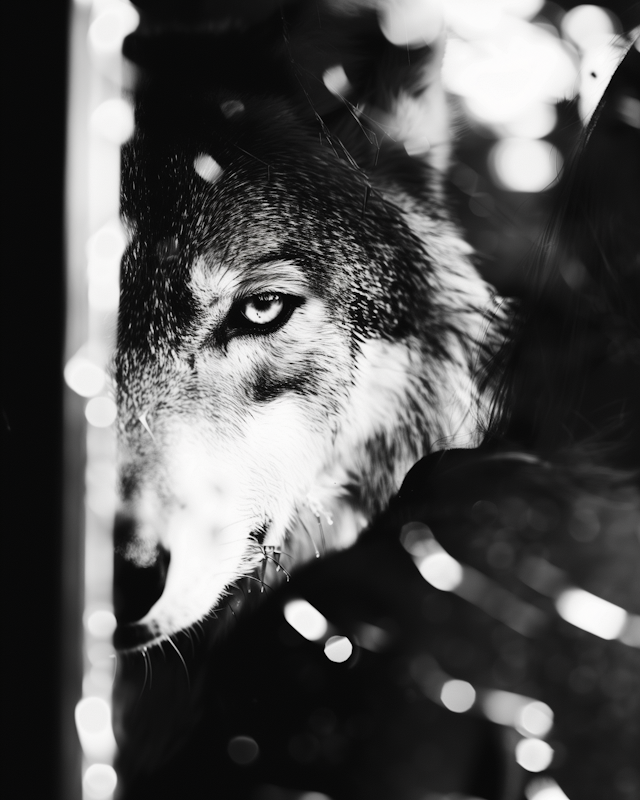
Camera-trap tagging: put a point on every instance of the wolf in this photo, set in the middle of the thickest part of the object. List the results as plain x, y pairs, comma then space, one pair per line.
300, 318
300, 322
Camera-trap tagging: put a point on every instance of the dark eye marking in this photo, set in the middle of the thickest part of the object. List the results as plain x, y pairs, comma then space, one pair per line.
261, 313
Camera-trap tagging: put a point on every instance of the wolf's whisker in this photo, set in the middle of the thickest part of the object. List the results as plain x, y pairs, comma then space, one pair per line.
308, 532
278, 565
184, 663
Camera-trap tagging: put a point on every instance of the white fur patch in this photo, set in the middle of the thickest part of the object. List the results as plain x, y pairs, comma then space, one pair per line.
224, 490
381, 383
205, 529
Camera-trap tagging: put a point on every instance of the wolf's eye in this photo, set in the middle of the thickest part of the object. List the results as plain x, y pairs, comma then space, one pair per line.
261, 313
261, 309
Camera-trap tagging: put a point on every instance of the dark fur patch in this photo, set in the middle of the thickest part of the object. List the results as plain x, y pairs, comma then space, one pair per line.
267, 387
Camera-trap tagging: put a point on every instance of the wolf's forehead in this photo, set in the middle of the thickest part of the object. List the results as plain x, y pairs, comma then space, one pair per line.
211, 278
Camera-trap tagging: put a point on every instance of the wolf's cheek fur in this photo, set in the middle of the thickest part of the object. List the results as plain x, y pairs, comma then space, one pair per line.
221, 497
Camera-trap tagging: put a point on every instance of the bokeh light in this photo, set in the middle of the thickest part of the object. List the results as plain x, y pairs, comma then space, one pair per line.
457, 696
338, 649
471, 18
441, 571
534, 755
591, 613
535, 122
630, 634
98, 680
588, 26
243, 750
520, 8
114, 21
417, 539
84, 376
107, 244
530, 717
93, 723
104, 251
104, 285
544, 788
512, 63
535, 719
92, 715
336, 81
373, 637
101, 493
100, 120
113, 119
99, 782
525, 165
100, 654
101, 412
517, 66
314, 796
436, 566
101, 623
411, 23
305, 619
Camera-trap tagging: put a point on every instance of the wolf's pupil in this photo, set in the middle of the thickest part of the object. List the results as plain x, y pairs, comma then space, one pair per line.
263, 309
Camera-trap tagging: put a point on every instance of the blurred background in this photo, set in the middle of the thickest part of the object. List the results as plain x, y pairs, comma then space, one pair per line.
523, 75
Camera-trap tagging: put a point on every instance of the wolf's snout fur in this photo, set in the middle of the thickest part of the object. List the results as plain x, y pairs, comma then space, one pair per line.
299, 317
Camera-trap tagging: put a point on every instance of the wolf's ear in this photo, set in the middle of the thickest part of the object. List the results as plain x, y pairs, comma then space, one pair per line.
370, 70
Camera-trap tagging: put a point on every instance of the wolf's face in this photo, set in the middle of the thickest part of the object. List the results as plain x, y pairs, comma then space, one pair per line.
293, 334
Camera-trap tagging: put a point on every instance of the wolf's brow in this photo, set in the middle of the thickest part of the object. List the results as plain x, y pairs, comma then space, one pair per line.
213, 283
281, 274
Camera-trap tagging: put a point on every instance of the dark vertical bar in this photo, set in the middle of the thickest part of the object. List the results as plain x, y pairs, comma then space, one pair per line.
38, 648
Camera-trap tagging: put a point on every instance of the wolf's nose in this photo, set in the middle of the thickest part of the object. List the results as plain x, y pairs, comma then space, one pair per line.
135, 588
